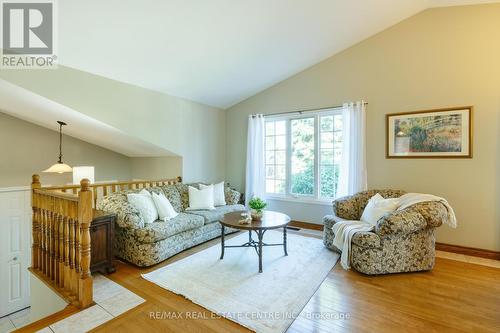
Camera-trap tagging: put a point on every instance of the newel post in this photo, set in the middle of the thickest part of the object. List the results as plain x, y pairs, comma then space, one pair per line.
84, 220
35, 247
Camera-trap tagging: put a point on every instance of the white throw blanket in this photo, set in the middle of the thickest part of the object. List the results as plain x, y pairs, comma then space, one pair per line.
344, 230
410, 199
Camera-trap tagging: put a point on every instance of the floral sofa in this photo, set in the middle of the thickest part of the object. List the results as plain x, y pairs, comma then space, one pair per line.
402, 241
148, 244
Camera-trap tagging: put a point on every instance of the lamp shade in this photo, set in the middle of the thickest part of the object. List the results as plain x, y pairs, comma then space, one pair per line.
81, 172
59, 167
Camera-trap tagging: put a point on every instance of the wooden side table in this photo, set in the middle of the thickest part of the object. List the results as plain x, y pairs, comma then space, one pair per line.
102, 235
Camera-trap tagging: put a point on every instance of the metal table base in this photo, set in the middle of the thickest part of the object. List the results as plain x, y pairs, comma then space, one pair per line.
257, 245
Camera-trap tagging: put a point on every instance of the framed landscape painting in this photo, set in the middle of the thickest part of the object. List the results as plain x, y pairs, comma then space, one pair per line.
443, 133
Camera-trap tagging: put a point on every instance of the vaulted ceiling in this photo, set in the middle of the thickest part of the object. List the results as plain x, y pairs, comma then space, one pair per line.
26, 105
218, 52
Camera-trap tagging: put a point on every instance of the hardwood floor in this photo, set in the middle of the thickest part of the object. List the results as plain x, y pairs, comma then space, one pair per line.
454, 297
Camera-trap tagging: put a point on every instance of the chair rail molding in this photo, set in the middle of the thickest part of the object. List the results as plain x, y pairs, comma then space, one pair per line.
14, 189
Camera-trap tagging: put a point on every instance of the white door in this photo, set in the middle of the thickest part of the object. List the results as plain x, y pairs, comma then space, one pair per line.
15, 253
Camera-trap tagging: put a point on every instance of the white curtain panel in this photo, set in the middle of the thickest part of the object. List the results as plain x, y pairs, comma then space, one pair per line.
255, 172
352, 176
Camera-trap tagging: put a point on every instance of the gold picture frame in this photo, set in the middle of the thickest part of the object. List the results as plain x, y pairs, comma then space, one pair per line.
436, 133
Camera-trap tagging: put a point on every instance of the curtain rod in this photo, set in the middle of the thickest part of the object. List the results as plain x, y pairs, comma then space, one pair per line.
307, 110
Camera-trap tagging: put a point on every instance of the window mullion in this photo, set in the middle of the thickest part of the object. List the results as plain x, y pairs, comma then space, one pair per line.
288, 158
317, 137
333, 156
334, 151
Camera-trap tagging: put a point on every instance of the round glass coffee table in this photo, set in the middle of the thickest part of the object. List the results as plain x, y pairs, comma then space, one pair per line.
270, 220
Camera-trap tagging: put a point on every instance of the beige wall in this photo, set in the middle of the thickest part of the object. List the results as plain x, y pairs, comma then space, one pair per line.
441, 57
188, 129
156, 167
26, 149
44, 301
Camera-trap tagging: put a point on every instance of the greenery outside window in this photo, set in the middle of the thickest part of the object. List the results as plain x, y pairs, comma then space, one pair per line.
303, 155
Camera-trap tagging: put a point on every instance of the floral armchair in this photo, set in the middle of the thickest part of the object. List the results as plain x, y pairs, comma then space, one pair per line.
402, 241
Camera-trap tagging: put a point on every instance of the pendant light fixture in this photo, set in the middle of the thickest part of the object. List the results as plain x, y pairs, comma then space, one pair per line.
60, 167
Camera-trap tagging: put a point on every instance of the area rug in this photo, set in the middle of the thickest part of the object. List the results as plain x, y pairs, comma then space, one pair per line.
233, 288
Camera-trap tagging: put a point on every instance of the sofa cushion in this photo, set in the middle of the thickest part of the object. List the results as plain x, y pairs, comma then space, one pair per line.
377, 207
165, 209
201, 199
144, 204
232, 196
219, 195
173, 195
211, 216
160, 230
126, 215
183, 190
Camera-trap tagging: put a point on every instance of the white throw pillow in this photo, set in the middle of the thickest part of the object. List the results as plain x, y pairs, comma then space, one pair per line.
164, 207
144, 204
219, 196
201, 199
377, 207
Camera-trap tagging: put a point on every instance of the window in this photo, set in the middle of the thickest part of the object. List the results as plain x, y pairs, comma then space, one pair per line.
275, 156
330, 153
302, 177
303, 155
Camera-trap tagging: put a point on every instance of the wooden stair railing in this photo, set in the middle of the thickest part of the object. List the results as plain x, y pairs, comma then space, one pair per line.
61, 241
61, 251
103, 189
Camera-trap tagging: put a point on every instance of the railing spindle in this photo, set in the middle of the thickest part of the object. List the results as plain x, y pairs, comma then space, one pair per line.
54, 238
72, 275
35, 248
67, 252
60, 236
84, 220
94, 195
42, 234
50, 239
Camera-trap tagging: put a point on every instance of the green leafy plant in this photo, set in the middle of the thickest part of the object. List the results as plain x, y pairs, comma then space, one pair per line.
257, 204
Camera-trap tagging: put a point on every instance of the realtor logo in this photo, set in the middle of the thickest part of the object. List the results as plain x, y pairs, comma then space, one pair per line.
28, 34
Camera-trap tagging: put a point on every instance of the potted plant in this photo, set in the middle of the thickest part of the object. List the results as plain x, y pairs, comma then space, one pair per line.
257, 205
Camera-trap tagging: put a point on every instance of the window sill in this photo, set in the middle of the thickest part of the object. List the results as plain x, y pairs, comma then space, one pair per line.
301, 200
